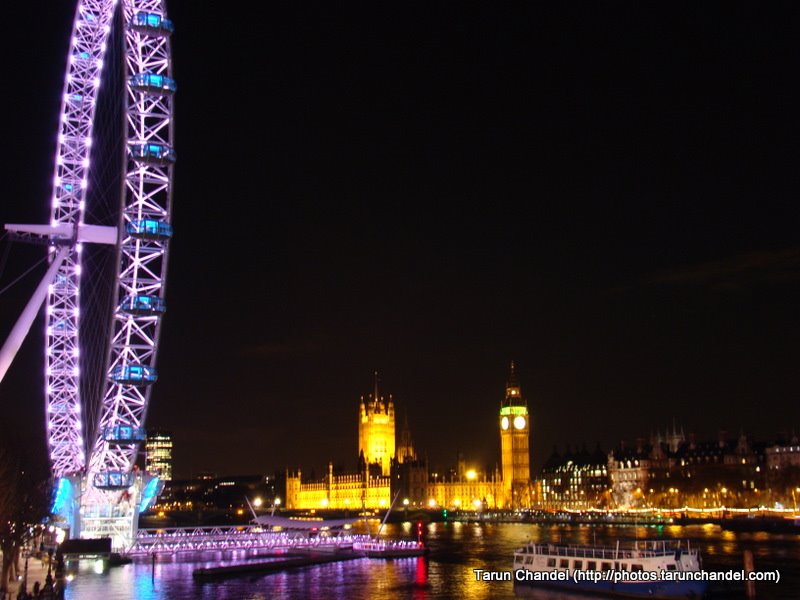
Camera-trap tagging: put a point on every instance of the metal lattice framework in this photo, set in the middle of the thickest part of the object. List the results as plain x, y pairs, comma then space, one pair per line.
141, 238
239, 537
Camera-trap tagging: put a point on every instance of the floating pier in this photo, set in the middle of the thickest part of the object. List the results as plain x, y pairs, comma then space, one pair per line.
281, 563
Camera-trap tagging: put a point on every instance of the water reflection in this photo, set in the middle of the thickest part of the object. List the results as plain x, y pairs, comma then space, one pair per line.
457, 549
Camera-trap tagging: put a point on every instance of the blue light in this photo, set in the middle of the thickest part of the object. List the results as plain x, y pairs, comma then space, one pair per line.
152, 153
112, 480
63, 498
151, 23
149, 229
133, 375
153, 83
143, 304
123, 434
149, 493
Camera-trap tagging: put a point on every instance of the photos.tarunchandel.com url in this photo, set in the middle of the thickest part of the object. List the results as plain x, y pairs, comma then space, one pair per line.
580, 576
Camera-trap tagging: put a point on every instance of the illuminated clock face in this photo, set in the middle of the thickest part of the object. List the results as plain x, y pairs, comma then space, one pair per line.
519, 422
504, 423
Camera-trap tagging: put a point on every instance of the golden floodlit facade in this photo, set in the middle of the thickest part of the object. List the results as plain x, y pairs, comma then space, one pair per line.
390, 469
515, 432
376, 430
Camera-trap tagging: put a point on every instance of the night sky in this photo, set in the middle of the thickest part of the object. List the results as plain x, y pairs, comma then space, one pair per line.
604, 192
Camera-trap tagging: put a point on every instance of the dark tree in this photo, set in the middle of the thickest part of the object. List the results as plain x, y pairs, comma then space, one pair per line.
25, 495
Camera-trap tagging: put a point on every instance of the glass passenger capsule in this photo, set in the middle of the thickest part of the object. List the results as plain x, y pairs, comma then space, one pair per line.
149, 229
151, 24
138, 375
143, 305
153, 84
124, 434
151, 154
113, 480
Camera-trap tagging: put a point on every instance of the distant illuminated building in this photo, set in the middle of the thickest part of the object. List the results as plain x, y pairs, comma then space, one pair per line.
158, 454
390, 468
515, 430
576, 481
784, 454
466, 489
376, 430
675, 471
405, 446
370, 486
783, 471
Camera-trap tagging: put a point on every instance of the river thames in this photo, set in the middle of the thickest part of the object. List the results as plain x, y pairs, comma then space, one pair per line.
456, 550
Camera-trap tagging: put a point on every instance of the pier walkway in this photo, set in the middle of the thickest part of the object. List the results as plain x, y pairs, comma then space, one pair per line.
171, 540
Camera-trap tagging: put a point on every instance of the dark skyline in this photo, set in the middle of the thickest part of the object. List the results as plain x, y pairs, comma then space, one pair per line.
604, 193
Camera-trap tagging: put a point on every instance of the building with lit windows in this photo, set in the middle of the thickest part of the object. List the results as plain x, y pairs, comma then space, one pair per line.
206, 492
675, 470
389, 467
783, 471
574, 480
376, 435
370, 486
158, 454
467, 489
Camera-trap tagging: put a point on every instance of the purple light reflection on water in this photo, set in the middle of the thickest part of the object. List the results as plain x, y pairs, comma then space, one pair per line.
456, 549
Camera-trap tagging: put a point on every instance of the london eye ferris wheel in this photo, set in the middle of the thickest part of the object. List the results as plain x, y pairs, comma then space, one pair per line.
99, 491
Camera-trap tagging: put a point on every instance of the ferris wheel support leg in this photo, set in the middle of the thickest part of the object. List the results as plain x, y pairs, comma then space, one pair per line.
23, 324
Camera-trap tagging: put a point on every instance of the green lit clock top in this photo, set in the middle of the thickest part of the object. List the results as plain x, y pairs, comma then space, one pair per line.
513, 410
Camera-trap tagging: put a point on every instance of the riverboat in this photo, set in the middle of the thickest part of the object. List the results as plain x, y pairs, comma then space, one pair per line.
665, 569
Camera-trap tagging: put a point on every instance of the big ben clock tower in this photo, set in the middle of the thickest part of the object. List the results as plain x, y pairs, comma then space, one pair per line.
515, 430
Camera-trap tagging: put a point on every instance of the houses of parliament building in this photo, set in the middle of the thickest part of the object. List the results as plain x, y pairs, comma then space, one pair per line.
390, 468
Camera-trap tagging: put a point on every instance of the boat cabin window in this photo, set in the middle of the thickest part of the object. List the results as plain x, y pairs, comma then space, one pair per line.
624, 567
637, 568
577, 565
591, 565
564, 563
551, 562
670, 567
607, 566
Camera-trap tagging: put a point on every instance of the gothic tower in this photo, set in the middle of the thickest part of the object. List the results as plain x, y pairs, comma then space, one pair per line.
405, 446
376, 429
514, 445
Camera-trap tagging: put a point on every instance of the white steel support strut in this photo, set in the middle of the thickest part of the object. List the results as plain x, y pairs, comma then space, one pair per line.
26, 319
